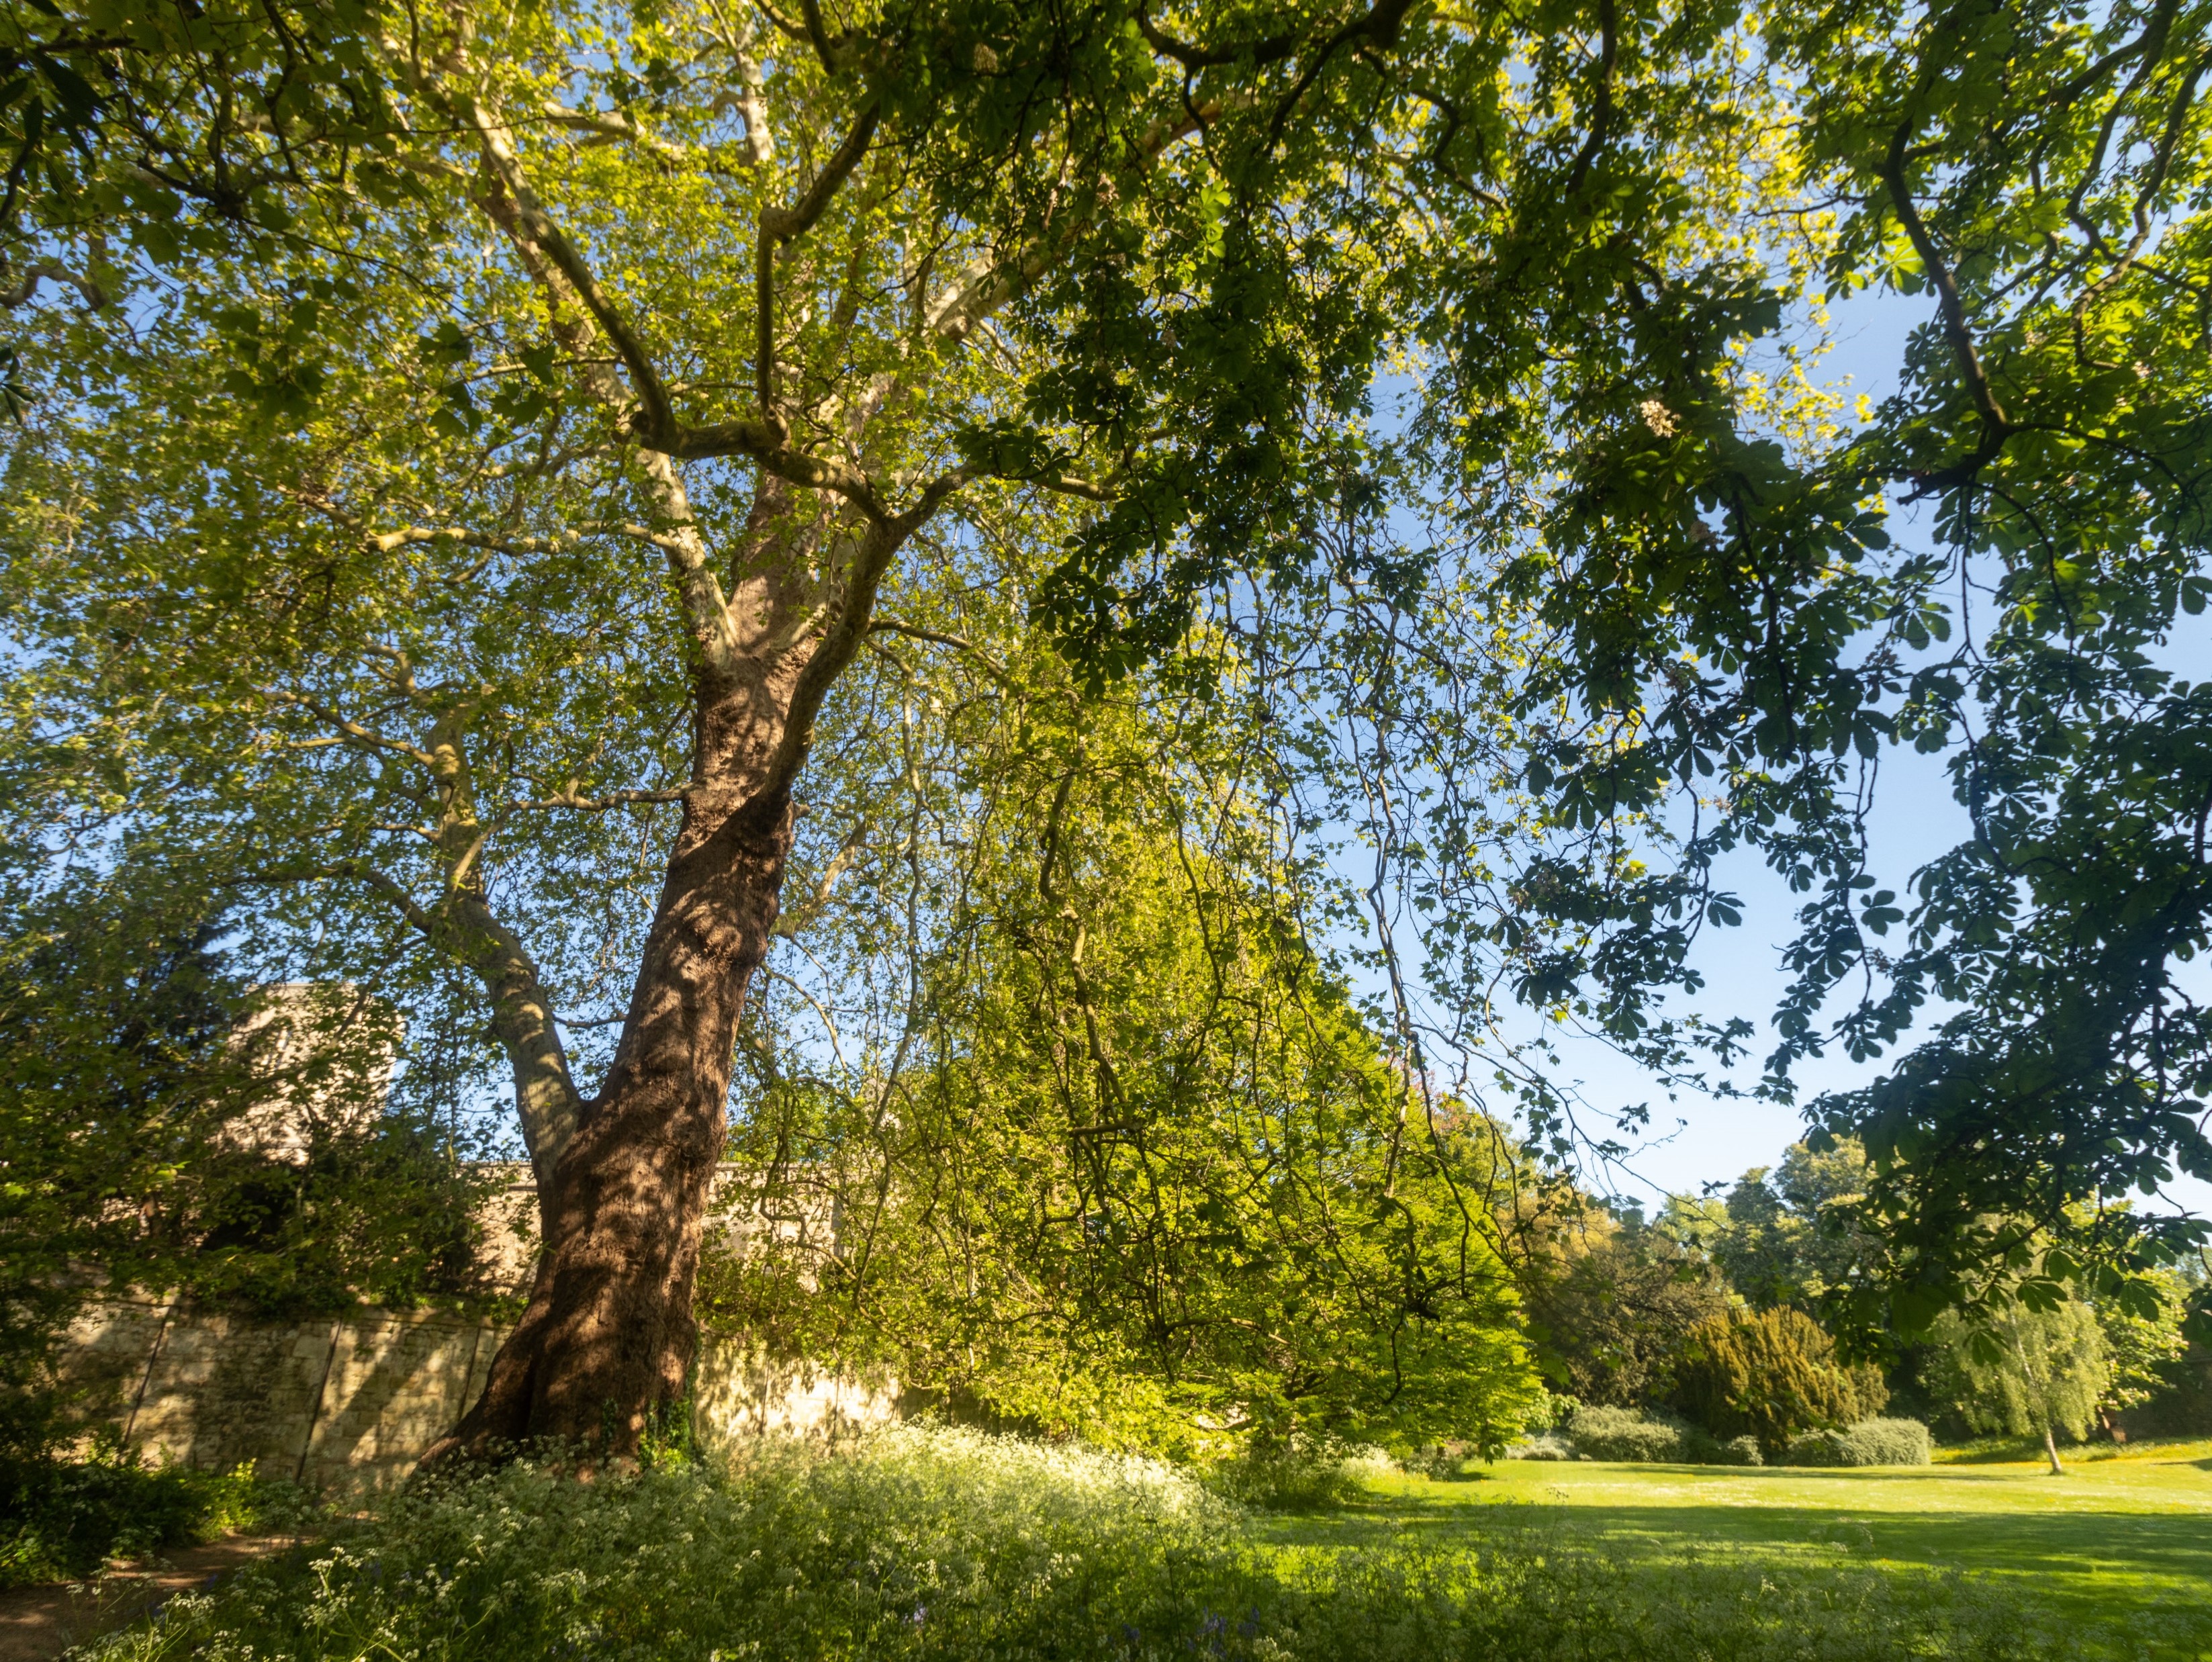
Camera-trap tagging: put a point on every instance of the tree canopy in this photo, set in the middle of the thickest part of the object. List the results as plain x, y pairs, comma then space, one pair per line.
470, 465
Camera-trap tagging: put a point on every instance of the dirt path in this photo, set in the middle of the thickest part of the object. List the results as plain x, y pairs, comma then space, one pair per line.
39, 1623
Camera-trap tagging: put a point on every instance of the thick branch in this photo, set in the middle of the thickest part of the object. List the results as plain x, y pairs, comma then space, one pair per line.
613, 125
768, 448
824, 46
1272, 49
1381, 24
795, 920
779, 226
530, 218
563, 274
752, 108
463, 927
848, 629
1602, 116
600, 804
1995, 422
1066, 484
93, 294
785, 223
353, 732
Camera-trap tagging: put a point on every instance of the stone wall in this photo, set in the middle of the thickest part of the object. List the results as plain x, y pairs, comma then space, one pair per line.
348, 1405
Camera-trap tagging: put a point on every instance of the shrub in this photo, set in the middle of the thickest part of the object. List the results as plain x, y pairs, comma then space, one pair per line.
1771, 1376
1544, 1447
1294, 1480
69, 1517
933, 1545
1870, 1443
1627, 1433
1739, 1450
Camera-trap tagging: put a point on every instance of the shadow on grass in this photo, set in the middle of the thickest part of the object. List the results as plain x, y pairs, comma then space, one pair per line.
1834, 1474
2108, 1563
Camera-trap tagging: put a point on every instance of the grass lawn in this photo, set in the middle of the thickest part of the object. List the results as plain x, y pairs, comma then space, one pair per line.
937, 1544
2118, 1541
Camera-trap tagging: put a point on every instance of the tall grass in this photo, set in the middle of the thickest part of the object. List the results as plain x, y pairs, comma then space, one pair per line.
942, 1544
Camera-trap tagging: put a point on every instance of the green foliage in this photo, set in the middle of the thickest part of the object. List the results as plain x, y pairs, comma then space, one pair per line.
2180, 1403
2024, 1372
2059, 426
1869, 1442
936, 1544
2140, 1344
335, 550
1611, 1304
1626, 1434
1151, 1177
1770, 1375
1295, 1479
223, 107
1786, 1240
1739, 1451
1639, 1434
65, 1518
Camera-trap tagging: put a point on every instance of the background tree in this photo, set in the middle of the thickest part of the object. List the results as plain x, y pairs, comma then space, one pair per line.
113, 1029
2181, 1402
1611, 1302
1787, 1239
2139, 1349
1772, 1374
2028, 1373
141, 1083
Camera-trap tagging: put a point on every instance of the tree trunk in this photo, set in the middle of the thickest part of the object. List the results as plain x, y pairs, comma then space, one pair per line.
606, 1341
2050, 1447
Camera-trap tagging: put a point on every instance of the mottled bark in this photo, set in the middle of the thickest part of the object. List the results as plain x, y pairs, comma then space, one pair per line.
608, 1336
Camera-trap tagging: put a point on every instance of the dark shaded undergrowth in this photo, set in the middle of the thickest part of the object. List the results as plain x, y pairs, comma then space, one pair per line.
61, 1518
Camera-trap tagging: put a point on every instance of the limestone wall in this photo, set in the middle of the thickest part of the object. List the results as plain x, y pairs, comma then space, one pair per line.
349, 1406
736, 1396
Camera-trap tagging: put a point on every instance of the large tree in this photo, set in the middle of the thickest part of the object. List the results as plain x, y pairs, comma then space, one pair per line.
440, 327
371, 459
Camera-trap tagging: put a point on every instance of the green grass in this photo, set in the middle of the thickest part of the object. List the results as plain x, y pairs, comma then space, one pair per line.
2116, 1539
936, 1545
